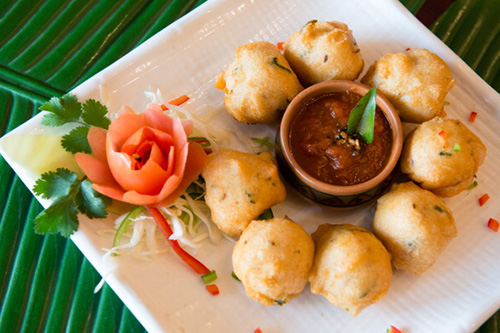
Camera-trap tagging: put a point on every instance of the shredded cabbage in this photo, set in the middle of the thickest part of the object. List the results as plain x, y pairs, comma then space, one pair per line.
188, 216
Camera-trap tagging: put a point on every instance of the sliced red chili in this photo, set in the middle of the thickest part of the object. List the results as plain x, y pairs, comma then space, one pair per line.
493, 224
394, 330
483, 199
178, 101
472, 116
213, 289
280, 46
196, 265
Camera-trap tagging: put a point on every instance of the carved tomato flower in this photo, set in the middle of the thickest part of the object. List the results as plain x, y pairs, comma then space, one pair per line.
143, 159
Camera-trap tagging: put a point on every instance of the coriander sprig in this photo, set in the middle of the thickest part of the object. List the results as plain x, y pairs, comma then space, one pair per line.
70, 195
67, 109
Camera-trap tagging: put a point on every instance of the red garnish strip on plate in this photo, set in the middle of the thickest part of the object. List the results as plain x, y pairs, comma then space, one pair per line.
483, 199
393, 330
472, 116
178, 101
493, 224
191, 261
213, 289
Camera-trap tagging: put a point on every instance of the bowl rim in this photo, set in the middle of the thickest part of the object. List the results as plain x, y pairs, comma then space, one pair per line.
332, 86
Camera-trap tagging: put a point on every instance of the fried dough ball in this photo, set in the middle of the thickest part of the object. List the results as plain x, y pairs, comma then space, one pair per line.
272, 259
351, 268
322, 51
259, 83
239, 187
416, 82
442, 155
415, 226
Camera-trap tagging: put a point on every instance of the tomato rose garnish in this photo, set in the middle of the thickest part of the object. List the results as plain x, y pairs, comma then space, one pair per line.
143, 159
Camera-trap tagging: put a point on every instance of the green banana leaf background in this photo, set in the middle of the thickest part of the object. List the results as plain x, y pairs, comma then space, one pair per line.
49, 47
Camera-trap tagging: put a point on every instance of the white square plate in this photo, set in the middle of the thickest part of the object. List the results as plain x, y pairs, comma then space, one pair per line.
457, 294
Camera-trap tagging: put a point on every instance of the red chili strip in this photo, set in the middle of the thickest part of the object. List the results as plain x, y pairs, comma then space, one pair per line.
472, 116
407, 49
196, 265
394, 330
280, 46
178, 101
483, 199
213, 289
493, 224
257, 330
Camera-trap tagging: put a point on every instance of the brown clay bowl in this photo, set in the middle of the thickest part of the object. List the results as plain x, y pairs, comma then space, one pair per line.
338, 196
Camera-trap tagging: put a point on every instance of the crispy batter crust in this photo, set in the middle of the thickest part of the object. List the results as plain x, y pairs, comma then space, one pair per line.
239, 187
416, 82
272, 259
415, 226
259, 84
322, 51
443, 163
352, 268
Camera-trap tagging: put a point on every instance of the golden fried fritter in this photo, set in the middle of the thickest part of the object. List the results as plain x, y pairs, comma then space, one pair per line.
442, 155
416, 82
351, 268
272, 259
239, 187
415, 226
259, 84
322, 51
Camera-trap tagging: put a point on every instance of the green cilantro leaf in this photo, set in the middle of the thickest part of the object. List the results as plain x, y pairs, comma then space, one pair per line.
90, 202
65, 109
362, 117
94, 114
70, 196
53, 120
76, 141
55, 184
60, 217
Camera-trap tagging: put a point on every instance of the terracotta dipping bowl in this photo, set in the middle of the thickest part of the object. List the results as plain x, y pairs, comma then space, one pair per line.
312, 189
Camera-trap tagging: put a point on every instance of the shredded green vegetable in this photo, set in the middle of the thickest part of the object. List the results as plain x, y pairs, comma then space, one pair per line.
209, 277
233, 274
124, 225
264, 142
471, 186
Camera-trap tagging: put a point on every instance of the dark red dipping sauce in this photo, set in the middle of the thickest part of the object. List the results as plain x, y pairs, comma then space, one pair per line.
320, 144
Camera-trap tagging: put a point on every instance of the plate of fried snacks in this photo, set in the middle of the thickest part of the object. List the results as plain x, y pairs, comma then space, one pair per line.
168, 171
